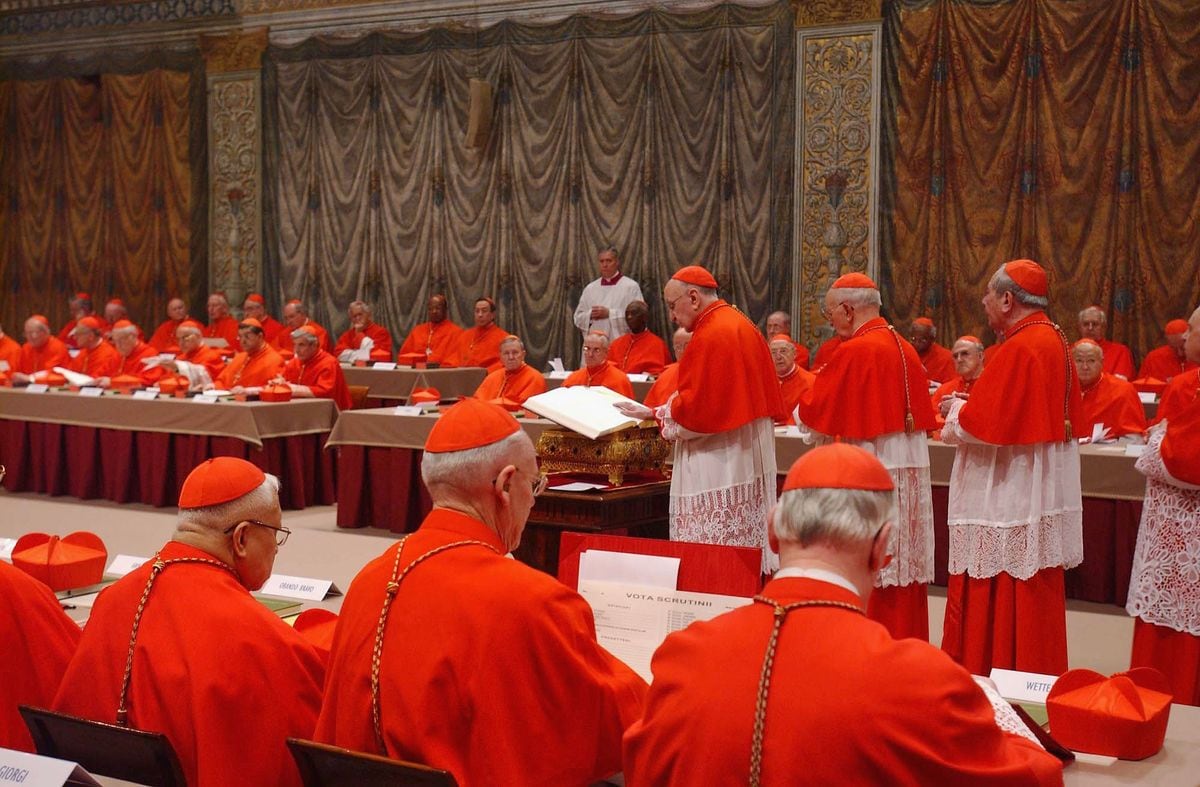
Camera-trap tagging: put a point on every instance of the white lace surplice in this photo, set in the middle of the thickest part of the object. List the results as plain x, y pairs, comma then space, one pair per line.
906, 457
1164, 587
723, 485
1013, 508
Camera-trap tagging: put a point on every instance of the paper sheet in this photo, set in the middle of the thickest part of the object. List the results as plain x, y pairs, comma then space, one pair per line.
655, 571
632, 621
577, 486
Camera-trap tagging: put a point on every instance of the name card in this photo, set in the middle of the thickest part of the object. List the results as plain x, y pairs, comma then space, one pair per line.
1017, 686
386, 365
123, 564
558, 375
33, 770
408, 409
37, 388
638, 377
303, 588
1148, 397
1134, 449
6, 548
91, 391
204, 399
145, 394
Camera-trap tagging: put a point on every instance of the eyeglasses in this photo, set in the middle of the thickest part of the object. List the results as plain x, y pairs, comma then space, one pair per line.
281, 533
537, 485
671, 304
828, 313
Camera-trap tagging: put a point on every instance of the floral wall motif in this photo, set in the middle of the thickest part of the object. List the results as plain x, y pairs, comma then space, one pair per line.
836, 166
235, 183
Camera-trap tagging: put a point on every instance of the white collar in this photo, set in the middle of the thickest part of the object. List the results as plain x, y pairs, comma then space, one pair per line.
819, 574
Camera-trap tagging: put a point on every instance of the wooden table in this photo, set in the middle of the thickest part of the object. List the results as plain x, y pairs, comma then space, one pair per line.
123, 449
639, 510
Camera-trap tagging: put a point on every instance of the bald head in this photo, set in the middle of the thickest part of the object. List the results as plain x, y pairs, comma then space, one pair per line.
779, 323
968, 357
637, 313
294, 314
679, 341
176, 309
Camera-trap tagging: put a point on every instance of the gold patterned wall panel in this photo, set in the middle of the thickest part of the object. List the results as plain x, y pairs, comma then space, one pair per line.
837, 151
235, 183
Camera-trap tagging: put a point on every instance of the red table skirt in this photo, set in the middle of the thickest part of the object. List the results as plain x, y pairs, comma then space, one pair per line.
1109, 534
381, 487
149, 467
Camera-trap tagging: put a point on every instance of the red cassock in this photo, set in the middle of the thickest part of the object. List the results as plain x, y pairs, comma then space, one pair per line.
516, 386
39, 640
639, 352
284, 340
164, 339
954, 385
207, 357
479, 347
825, 352
490, 669
224, 328
1113, 402
271, 328
101, 361
1117, 358
52, 353
1020, 399
1162, 593
802, 355
251, 371
323, 374
10, 353
938, 363
847, 705
351, 339
666, 384
860, 393
792, 387
132, 364
224, 678
438, 341
1180, 392
727, 362
1164, 363
606, 375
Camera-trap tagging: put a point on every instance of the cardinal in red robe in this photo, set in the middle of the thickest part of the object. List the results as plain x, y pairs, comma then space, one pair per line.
1108, 400
363, 327
313, 372
517, 381
597, 369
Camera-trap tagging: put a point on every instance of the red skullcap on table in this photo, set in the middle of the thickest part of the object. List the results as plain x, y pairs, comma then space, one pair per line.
1123, 716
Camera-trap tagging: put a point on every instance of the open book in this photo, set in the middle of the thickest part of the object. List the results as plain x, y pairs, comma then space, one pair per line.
588, 411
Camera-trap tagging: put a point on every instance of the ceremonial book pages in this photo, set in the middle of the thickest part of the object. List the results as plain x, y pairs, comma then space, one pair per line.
588, 411
633, 620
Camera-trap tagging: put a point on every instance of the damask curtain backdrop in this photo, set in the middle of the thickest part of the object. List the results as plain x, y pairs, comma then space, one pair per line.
99, 181
669, 136
1061, 131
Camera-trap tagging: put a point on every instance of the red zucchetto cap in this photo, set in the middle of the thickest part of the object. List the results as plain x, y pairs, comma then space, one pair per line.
254, 296
838, 466
294, 302
1123, 716
1176, 327
82, 296
471, 423
117, 301
1085, 342
89, 322
1029, 276
72, 561
219, 480
696, 276
780, 337
928, 323
40, 318
121, 325
251, 321
418, 395
854, 281
968, 338
317, 626
191, 324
